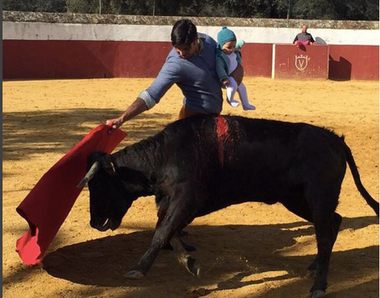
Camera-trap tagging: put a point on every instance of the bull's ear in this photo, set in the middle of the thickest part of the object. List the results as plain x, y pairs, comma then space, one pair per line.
109, 165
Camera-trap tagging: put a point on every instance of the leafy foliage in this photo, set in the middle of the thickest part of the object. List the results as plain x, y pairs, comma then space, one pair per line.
35, 5
298, 9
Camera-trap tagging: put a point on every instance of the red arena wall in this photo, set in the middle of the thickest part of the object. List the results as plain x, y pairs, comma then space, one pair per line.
54, 59
36, 48
354, 62
301, 62
257, 59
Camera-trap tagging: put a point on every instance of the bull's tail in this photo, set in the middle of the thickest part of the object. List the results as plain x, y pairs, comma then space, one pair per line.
355, 173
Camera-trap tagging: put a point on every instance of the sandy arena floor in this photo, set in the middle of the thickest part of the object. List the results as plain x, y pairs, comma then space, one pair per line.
249, 250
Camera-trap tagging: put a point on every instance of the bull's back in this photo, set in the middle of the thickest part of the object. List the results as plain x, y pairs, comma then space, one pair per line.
230, 143
263, 160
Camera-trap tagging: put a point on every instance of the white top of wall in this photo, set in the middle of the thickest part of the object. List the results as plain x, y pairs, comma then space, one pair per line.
107, 32
287, 35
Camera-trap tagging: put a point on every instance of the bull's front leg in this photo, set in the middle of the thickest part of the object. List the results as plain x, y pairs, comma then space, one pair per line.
162, 236
172, 219
183, 257
141, 269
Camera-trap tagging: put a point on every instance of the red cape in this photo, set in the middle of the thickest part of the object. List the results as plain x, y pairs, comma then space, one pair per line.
47, 205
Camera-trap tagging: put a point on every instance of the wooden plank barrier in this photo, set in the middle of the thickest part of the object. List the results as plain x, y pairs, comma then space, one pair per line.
300, 62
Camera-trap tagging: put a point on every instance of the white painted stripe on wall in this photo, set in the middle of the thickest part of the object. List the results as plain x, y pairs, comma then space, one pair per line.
96, 32
273, 60
286, 35
105, 32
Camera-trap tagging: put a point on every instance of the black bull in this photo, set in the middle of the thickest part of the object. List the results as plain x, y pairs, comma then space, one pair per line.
204, 163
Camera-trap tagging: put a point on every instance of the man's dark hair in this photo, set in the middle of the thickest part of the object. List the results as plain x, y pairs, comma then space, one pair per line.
184, 32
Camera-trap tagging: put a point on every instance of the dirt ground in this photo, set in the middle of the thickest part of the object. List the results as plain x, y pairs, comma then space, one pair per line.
248, 250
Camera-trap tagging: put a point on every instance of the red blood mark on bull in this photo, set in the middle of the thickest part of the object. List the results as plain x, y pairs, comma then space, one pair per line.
222, 135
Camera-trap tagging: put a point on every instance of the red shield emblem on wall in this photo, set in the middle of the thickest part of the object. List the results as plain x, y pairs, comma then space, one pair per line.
301, 62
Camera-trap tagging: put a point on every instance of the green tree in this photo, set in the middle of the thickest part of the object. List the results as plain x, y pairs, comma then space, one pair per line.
360, 10
314, 9
82, 6
336, 9
300, 9
35, 5
136, 7
18, 5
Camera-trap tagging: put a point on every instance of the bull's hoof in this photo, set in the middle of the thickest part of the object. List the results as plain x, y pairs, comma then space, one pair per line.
134, 274
316, 294
311, 274
193, 267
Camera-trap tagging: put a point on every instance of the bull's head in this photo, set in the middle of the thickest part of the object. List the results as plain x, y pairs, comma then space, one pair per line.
109, 199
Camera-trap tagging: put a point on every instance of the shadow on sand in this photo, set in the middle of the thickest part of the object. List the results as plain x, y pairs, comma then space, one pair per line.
230, 256
28, 133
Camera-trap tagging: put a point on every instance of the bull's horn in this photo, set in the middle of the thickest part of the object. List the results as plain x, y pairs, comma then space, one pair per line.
90, 174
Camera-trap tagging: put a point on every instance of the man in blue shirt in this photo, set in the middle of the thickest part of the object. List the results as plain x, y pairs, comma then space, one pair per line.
191, 65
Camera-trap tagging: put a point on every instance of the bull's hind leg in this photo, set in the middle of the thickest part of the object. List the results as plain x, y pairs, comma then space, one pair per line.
297, 204
312, 270
323, 199
304, 211
326, 230
326, 223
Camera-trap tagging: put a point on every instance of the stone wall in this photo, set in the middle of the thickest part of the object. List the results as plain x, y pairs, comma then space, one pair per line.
17, 16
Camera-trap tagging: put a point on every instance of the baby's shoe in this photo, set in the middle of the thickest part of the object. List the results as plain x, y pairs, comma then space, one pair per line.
233, 103
248, 107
